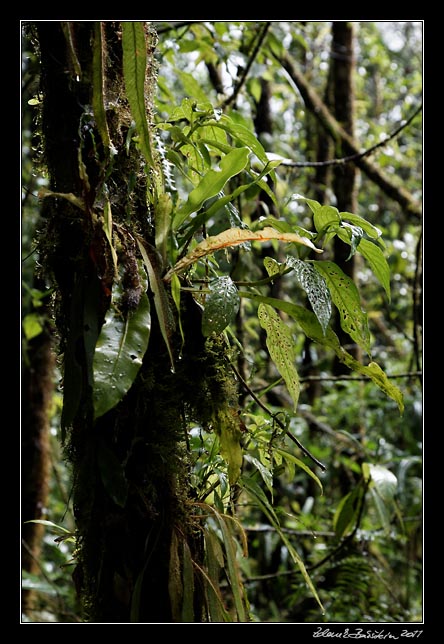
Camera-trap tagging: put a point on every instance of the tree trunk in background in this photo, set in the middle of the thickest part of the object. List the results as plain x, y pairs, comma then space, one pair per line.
131, 495
322, 184
37, 390
344, 176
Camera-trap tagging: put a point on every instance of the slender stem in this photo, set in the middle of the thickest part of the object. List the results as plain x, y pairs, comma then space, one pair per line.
277, 421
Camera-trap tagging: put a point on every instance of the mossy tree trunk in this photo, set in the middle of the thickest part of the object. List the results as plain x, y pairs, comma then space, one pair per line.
132, 497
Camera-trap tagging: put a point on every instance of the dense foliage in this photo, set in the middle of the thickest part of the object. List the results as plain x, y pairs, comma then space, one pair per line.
306, 479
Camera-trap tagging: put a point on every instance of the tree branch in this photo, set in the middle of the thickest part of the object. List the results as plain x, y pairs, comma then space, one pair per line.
353, 157
315, 104
260, 39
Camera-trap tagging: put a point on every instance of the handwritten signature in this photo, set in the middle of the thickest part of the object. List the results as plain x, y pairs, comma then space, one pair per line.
361, 633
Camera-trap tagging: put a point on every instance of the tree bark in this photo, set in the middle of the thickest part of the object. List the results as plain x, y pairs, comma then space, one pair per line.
37, 390
344, 177
125, 543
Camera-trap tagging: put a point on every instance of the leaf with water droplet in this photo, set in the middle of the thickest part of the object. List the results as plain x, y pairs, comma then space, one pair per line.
281, 348
316, 288
120, 348
221, 306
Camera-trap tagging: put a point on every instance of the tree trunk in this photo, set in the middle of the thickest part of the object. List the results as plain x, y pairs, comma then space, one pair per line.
344, 177
37, 390
132, 499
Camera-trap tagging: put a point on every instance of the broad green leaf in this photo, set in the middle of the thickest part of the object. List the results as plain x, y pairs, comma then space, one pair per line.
32, 326
183, 111
384, 481
383, 488
316, 288
377, 262
221, 305
375, 373
346, 298
213, 182
192, 87
326, 218
165, 317
234, 237
283, 226
313, 330
272, 266
347, 511
119, 352
134, 72
230, 198
281, 348
244, 135
112, 474
366, 226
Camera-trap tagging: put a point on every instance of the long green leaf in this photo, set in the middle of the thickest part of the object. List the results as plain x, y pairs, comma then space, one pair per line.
256, 493
215, 561
371, 230
188, 585
134, 72
281, 348
119, 352
242, 134
163, 219
234, 237
161, 302
313, 330
212, 183
316, 288
290, 457
233, 567
98, 76
266, 474
56, 528
346, 298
